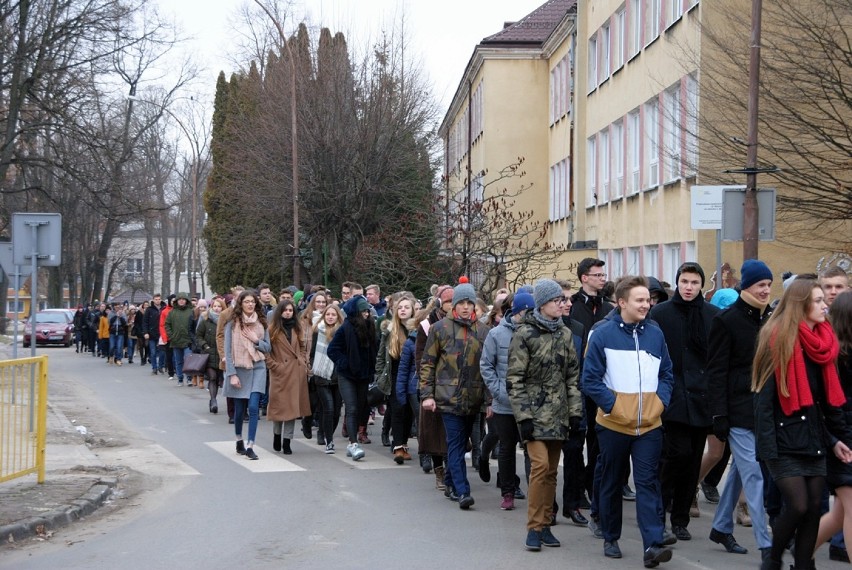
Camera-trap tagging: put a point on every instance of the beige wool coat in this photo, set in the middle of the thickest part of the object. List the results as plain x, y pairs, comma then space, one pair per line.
287, 363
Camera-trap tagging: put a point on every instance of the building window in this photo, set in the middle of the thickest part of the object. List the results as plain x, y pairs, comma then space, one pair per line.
672, 132
690, 162
674, 11
560, 89
560, 199
604, 165
591, 172
620, 38
633, 267
615, 268
11, 307
636, 26
652, 143
134, 269
633, 149
606, 55
652, 20
593, 63
671, 261
618, 159
652, 259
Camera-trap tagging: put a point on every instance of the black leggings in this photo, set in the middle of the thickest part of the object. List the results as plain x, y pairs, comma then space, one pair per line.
799, 516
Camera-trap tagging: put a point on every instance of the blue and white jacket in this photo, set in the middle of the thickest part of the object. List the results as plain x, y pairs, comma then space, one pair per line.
628, 373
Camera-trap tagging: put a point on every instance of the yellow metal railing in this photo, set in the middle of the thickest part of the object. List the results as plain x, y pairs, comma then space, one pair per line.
23, 417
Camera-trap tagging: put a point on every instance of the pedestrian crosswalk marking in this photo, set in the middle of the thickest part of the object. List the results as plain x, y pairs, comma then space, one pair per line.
372, 460
269, 462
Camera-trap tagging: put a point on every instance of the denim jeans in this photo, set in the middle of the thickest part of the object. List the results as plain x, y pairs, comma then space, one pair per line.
131, 347
354, 394
253, 404
617, 449
116, 346
458, 429
156, 355
179, 354
329, 410
744, 472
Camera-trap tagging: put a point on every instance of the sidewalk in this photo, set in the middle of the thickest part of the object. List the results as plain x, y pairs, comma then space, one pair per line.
76, 483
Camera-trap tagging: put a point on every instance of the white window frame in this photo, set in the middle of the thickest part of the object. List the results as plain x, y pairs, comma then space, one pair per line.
591, 171
652, 20
672, 133
651, 260
604, 165
634, 158
615, 268
674, 11
637, 25
652, 144
593, 63
633, 259
606, 52
690, 153
671, 261
137, 269
620, 37
618, 159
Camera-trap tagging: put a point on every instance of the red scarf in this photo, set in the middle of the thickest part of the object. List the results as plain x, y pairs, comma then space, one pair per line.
822, 347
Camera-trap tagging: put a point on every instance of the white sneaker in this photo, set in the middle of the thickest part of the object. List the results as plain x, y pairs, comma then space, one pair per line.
354, 451
329, 448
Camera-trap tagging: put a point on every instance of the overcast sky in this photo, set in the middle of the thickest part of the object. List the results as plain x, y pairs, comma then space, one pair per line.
443, 32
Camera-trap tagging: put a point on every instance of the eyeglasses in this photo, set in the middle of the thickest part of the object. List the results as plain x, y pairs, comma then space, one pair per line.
598, 275
560, 300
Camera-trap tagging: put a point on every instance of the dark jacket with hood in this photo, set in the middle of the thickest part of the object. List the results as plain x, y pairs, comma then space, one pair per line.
351, 359
588, 310
687, 342
179, 323
151, 321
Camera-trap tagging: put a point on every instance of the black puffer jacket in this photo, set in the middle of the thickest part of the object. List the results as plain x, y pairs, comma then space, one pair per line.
689, 403
730, 354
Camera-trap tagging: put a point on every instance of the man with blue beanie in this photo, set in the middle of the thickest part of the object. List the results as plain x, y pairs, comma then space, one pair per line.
542, 383
730, 353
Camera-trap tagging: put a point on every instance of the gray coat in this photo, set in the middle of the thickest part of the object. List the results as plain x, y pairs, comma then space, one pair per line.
495, 363
251, 379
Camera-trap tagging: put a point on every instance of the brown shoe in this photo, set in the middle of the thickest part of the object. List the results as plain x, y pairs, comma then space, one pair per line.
362, 435
405, 455
694, 511
118, 363
399, 455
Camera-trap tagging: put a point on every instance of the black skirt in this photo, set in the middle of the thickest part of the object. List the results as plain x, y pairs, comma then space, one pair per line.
796, 466
839, 473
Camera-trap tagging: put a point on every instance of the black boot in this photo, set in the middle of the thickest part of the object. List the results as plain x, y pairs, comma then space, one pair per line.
426, 463
276, 442
241, 447
285, 447
385, 439
214, 406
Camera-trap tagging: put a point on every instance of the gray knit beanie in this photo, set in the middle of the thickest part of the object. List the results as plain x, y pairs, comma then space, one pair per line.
546, 290
464, 292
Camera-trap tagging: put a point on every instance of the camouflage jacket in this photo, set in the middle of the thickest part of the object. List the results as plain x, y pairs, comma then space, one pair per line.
542, 379
449, 370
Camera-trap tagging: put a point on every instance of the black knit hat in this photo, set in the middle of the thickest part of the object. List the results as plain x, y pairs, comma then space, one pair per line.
690, 267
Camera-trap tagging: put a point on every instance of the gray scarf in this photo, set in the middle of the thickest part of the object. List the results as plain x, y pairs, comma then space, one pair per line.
550, 325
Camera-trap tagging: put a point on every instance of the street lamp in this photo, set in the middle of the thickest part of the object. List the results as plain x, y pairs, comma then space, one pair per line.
193, 288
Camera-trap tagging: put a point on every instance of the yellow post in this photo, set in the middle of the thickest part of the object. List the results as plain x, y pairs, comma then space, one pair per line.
41, 421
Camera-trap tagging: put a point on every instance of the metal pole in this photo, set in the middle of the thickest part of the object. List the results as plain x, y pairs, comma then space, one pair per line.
17, 311
192, 246
34, 289
750, 212
719, 284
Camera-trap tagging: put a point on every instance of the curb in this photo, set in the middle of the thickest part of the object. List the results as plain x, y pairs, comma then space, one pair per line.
94, 498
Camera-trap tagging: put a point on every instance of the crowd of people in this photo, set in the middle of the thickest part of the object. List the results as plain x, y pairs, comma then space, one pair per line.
634, 379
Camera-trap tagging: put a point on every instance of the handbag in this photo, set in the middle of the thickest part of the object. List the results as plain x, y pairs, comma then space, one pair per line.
375, 396
195, 364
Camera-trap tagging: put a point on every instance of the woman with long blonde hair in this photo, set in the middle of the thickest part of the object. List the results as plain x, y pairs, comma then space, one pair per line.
797, 415
401, 414
323, 375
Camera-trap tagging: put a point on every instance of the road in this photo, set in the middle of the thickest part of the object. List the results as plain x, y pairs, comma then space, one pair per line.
194, 503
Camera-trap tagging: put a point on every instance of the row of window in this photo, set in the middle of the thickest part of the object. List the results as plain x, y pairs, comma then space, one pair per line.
458, 135
656, 142
635, 24
660, 260
560, 190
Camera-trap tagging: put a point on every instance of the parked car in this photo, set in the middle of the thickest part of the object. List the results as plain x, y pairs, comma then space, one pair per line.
52, 327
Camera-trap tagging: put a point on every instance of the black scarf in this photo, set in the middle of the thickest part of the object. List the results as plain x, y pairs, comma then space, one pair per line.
697, 335
287, 326
594, 302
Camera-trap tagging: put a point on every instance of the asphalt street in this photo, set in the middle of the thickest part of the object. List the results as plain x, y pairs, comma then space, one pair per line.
197, 504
